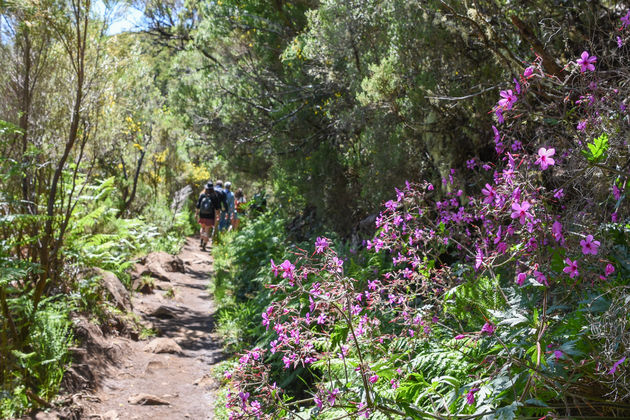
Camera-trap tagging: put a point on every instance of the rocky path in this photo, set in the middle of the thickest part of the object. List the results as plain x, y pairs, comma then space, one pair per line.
167, 377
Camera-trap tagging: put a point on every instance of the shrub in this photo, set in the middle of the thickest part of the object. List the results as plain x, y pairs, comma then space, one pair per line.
500, 301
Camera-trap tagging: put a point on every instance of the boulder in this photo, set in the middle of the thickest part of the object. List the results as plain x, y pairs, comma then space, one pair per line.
163, 312
157, 264
163, 345
147, 399
117, 291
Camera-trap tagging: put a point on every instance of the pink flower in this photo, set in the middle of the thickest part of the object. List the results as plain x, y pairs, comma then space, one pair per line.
320, 245
470, 396
540, 278
373, 379
625, 20
488, 328
288, 269
332, 396
520, 278
318, 402
544, 158
508, 99
528, 71
581, 125
497, 135
490, 194
337, 265
478, 259
557, 354
274, 268
556, 230
614, 367
520, 211
586, 62
609, 269
499, 113
571, 269
459, 336
589, 246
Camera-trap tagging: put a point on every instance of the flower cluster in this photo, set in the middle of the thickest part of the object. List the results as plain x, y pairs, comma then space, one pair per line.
527, 229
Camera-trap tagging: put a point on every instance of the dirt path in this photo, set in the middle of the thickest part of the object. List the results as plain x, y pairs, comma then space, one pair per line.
181, 380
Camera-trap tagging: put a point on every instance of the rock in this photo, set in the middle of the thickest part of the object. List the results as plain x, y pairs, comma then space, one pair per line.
163, 312
147, 399
89, 334
157, 264
90, 337
162, 285
163, 345
140, 285
115, 289
168, 262
205, 381
47, 416
77, 377
153, 366
110, 415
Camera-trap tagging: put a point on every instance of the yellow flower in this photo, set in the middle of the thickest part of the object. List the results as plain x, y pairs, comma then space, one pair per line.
137, 146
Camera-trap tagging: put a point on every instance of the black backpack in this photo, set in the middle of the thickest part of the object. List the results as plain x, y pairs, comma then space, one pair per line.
206, 206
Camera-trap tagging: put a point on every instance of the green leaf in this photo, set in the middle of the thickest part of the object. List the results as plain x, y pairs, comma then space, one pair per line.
595, 150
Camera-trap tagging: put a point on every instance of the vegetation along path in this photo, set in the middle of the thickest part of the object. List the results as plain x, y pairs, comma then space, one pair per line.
167, 377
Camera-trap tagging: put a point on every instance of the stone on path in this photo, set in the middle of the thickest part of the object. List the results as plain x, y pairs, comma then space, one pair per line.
163, 311
115, 289
110, 415
157, 264
163, 345
147, 399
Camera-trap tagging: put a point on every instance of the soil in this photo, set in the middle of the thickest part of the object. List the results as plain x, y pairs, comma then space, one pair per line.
140, 384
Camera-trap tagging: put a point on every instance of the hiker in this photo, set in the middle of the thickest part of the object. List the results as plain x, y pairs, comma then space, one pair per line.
207, 211
227, 216
240, 201
218, 187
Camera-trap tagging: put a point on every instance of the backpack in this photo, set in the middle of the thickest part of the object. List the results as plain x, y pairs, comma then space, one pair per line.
206, 206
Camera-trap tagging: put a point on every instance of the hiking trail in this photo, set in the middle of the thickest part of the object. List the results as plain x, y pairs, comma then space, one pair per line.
148, 382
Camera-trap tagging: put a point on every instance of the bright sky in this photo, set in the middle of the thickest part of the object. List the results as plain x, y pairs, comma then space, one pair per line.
123, 19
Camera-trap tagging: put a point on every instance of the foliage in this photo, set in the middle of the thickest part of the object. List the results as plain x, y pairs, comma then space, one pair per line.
337, 101
500, 302
85, 139
239, 291
37, 367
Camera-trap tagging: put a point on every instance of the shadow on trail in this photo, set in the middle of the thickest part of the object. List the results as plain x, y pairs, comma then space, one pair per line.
192, 331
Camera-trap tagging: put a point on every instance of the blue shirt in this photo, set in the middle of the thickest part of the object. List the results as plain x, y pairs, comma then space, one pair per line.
229, 198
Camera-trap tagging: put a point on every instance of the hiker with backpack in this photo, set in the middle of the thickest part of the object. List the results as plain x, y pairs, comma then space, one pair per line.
207, 211
218, 187
227, 216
